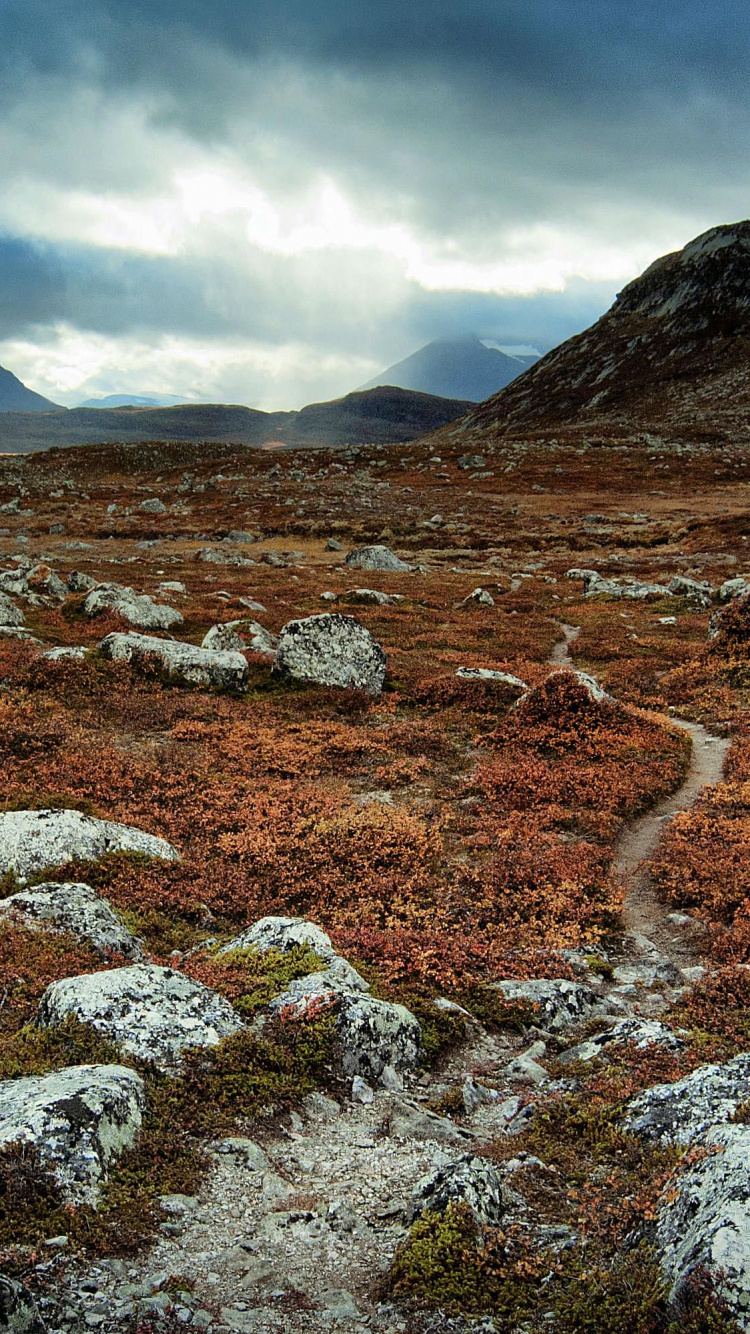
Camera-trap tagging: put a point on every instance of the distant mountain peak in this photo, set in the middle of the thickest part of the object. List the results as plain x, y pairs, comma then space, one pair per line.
460, 367
672, 355
15, 397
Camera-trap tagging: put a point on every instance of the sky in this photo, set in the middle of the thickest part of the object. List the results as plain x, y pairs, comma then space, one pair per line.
269, 201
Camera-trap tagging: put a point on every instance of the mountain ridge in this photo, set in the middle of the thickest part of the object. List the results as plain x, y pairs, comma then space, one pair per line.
453, 368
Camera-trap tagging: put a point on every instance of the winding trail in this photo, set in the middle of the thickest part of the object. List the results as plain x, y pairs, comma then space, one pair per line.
647, 920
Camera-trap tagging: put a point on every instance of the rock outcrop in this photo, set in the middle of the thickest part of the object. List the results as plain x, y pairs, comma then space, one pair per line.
470, 1180
679, 1113
30, 841
179, 662
136, 608
78, 1120
150, 1012
557, 1002
331, 650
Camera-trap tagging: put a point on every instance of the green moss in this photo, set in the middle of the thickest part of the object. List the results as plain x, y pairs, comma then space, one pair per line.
438, 1264
161, 932
265, 974
36, 1051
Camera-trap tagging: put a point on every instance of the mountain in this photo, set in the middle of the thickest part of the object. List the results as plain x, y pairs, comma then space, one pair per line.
671, 356
454, 368
15, 397
372, 417
133, 401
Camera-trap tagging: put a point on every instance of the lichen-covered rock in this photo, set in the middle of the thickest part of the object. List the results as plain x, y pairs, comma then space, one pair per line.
65, 653
470, 1180
705, 1224
641, 1033
595, 585
556, 1002
10, 614
150, 1012
79, 1120
331, 650
733, 588
44, 581
181, 662
283, 933
375, 1036
487, 674
18, 1310
30, 841
78, 582
75, 908
682, 587
136, 608
375, 558
679, 1113
236, 636
479, 598
372, 597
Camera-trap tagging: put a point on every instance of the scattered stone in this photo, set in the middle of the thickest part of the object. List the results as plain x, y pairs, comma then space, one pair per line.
181, 662
375, 558
331, 650
480, 597
371, 597
334, 545
470, 462
526, 1067
136, 608
151, 1012
476, 1095
75, 908
362, 1091
63, 654
153, 506
679, 1113
43, 581
407, 1120
470, 1180
237, 636
486, 674
681, 586
172, 586
705, 1224
30, 841
558, 1002
78, 1119
733, 588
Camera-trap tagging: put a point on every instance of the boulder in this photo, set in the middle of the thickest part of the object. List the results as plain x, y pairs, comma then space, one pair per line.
78, 1119
409, 1120
43, 580
470, 462
61, 654
33, 840
370, 597
78, 582
682, 587
75, 908
10, 614
18, 1310
236, 636
151, 1012
479, 598
469, 1180
377, 1038
136, 608
734, 588
283, 933
331, 650
682, 1112
153, 506
595, 585
704, 1226
557, 1002
181, 662
375, 558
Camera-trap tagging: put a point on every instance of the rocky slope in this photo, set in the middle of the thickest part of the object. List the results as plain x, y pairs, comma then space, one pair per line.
672, 356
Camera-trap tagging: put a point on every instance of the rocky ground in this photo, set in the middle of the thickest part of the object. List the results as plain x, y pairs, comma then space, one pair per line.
373, 841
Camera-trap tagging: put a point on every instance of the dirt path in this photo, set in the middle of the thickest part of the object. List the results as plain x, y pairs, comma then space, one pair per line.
646, 918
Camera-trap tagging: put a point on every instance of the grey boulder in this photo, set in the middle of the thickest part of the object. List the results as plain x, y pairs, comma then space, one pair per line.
705, 1224
151, 1012
78, 1119
18, 1310
10, 614
375, 558
181, 662
75, 908
681, 1112
136, 608
734, 588
470, 1180
556, 1002
64, 654
283, 933
30, 841
379, 1041
236, 636
331, 650
487, 674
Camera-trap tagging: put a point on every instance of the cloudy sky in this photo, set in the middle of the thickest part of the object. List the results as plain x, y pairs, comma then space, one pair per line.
268, 201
